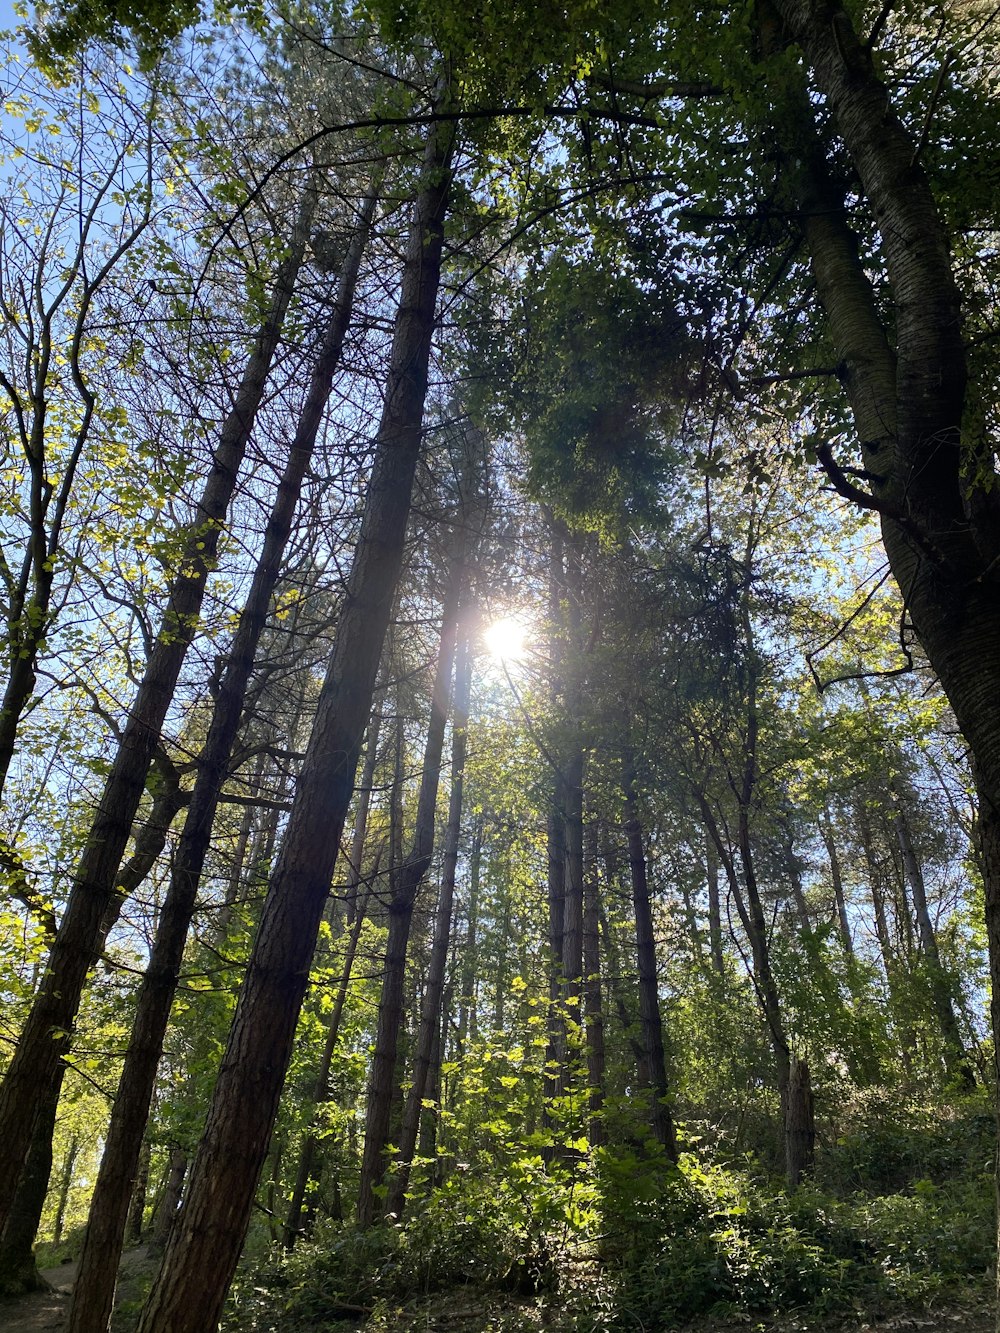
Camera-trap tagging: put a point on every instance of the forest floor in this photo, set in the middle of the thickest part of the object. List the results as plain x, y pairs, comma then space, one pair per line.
46, 1310
469, 1310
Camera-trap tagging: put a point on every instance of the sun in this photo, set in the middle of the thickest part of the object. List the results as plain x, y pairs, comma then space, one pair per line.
504, 639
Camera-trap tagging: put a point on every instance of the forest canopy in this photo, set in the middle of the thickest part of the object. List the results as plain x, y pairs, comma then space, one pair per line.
500, 720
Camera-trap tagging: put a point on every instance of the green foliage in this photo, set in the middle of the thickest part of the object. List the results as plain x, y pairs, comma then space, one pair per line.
585, 378
488, 1232
886, 1142
674, 1244
709, 1239
67, 26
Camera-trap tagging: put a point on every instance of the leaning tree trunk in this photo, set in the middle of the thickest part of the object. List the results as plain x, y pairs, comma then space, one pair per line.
49, 1027
18, 1269
205, 1246
94, 1289
16, 1245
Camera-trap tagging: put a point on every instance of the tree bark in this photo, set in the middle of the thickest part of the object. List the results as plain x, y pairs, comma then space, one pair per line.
361, 815
137, 1208
840, 902
795, 880
18, 1270
431, 1009
555, 1055
800, 1128
937, 498
593, 1005
714, 908
467, 1015
988, 835
406, 879
29, 1198
653, 1070
202, 1253
956, 1059
573, 768
166, 1213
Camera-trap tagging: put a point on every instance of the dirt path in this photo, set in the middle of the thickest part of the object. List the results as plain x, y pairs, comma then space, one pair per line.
47, 1309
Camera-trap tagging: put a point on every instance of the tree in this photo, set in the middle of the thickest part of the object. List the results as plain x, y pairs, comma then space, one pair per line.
241, 1117
61, 272
94, 1289
31, 1070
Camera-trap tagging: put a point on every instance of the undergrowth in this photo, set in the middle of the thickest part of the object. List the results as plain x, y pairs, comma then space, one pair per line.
629, 1241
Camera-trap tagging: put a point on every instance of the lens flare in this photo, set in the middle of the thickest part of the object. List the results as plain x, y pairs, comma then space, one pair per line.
504, 639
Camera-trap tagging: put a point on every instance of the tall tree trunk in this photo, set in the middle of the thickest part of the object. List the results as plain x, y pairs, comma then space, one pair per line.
793, 1075
406, 879
653, 1071
94, 1289
906, 384
467, 1016
988, 835
431, 1009
166, 1212
137, 1208
794, 866
362, 810
944, 1006
203, 1251
573, 763
876, 889
800, 1128
237, 871
306, 1172
29, 1198
555, 1055
49, 1027
794, 1086
65, 1186
613, 972
830, 843
714, 908
593, 1006
430, 1114
18, 1270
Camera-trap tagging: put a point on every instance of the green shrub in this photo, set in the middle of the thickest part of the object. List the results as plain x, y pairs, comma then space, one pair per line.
885, 1144
702, 1238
